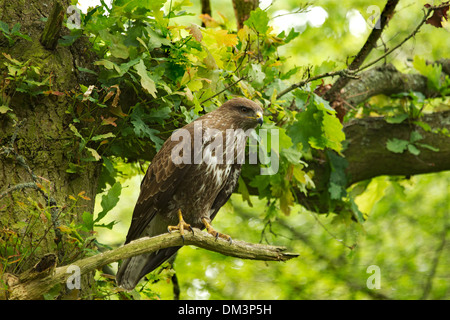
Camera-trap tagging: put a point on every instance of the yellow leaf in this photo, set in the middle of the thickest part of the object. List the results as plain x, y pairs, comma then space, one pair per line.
276, 64
243, 33
299, 174
94, 153
81, 195
195, 85
189, 74
65, 229
208, 21
286, 201
224, 39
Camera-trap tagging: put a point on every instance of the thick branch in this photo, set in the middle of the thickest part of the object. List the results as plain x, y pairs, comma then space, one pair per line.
368, 156
34, 287
385, 80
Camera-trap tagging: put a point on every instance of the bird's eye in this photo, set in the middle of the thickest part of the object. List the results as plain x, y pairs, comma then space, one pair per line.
244, 109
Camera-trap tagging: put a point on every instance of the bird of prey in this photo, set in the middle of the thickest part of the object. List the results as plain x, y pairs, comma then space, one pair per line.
188, 181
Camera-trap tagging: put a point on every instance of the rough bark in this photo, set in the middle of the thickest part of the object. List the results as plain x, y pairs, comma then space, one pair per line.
368, 156
42, 147
386, 80
242, 9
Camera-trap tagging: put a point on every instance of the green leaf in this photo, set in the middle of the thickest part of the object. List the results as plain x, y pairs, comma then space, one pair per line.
5, 109
261, 182
356, 212
397, 118
86, 70
413, 149
431, 71
155, 39
243, 190
338, 177
318, 127
141, 129
107, 64
147, 83
75, 131
115, 44
397, 145
291, 36
88, 221
4, 27
335, 191
159, 115
255, 73
415, 136
333, 131
425, 126
94, 153
258, 20
68, 40
427, 146
103, 136
109, 200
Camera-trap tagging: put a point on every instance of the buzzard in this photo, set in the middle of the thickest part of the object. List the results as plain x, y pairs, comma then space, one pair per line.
188, 181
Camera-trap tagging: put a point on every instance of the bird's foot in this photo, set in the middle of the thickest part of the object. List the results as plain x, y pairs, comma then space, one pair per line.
215, 233
181, 226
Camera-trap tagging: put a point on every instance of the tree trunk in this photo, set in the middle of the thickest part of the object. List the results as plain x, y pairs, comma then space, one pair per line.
37, 210
242, 9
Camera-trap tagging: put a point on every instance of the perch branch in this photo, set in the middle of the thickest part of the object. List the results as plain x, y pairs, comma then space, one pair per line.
35, 286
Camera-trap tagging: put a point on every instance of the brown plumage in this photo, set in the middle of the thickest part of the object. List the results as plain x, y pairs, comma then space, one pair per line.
191, 190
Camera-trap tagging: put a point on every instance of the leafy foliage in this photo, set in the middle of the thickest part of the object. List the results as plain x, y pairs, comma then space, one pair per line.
173, 72
177, 72
157, 70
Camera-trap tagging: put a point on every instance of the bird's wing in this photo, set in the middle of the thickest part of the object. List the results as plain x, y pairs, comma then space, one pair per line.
160, 182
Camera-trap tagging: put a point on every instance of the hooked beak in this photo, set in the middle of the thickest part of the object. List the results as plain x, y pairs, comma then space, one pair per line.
259, 118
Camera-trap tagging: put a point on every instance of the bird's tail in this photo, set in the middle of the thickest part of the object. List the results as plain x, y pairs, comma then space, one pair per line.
133, 269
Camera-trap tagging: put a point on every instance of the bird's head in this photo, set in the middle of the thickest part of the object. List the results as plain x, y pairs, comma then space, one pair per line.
244, 113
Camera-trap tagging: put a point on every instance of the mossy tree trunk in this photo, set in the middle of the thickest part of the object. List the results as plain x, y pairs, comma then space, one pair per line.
37, 207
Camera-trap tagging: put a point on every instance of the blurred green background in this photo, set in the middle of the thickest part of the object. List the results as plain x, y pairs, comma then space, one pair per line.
406, 234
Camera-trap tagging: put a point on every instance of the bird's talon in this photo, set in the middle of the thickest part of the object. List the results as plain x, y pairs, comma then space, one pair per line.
215, 233
181, 226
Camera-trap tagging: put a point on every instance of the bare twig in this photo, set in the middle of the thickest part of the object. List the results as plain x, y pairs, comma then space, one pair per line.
412, 34
223, 90
435, 263
385, 16
343, 73
19, 186
351, 72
